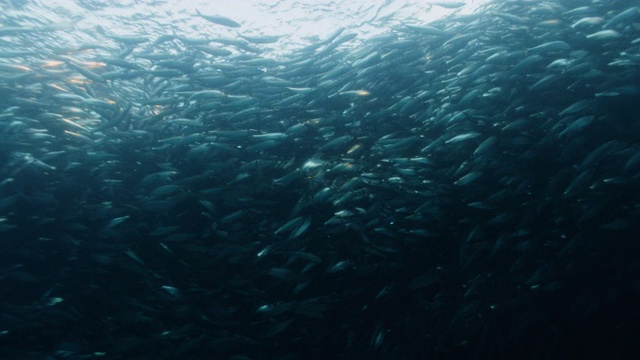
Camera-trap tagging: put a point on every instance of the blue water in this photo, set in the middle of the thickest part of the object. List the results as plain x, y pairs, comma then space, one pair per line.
291, 180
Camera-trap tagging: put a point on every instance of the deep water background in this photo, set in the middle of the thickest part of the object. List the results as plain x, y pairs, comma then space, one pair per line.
157, 229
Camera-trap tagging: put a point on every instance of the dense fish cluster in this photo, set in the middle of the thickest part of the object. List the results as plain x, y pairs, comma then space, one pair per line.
467, 188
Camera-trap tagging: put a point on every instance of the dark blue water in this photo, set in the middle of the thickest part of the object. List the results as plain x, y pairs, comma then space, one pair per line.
463, 188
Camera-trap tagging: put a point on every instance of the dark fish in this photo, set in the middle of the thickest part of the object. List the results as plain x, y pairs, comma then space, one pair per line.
220, 20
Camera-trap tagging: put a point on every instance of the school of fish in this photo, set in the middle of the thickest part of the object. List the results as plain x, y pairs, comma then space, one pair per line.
467, 188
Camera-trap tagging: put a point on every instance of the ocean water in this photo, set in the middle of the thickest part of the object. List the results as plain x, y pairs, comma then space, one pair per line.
313, 180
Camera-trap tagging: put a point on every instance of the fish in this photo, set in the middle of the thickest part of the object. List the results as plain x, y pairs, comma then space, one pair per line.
117, 221
220, 20
604, 35
448, 4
